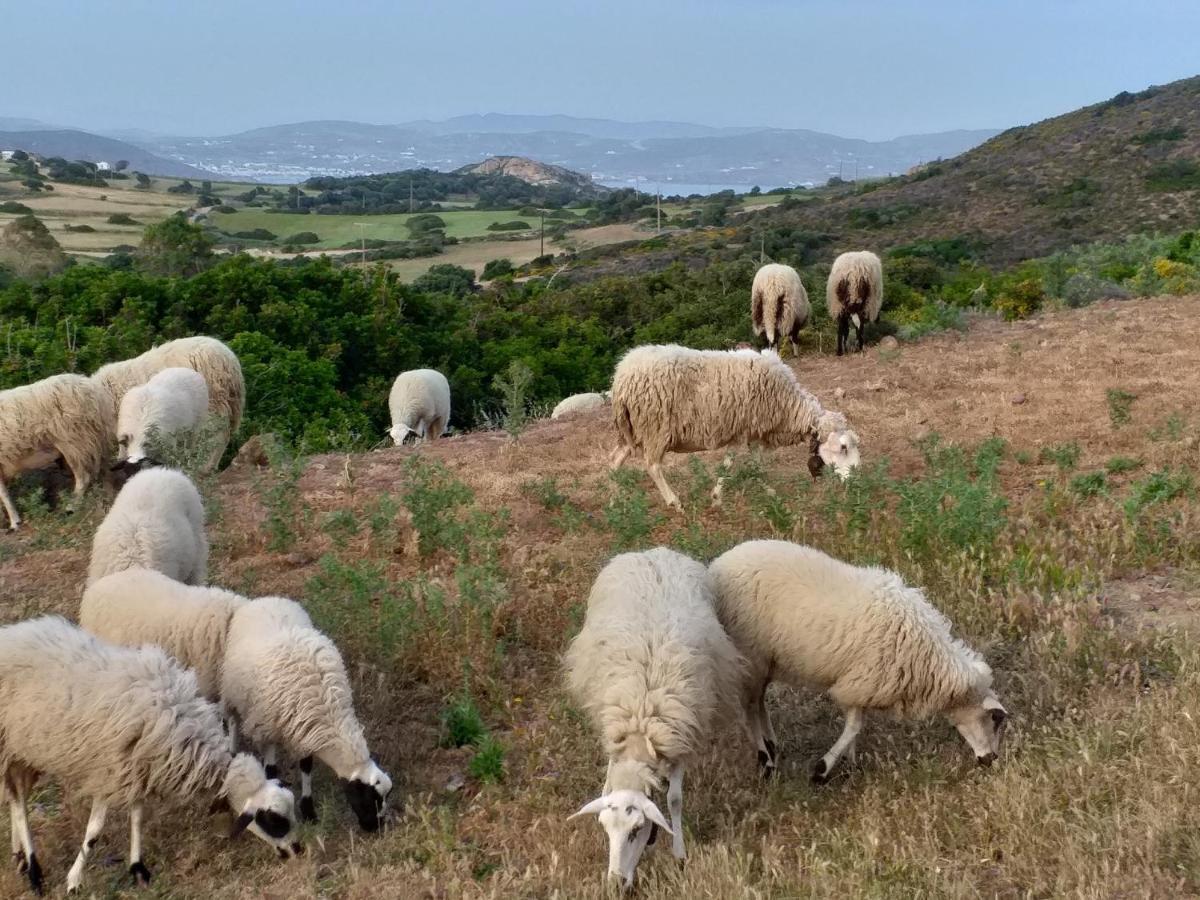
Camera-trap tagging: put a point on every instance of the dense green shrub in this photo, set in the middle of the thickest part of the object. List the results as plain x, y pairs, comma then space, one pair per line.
303, 237
1021, 299
515, 225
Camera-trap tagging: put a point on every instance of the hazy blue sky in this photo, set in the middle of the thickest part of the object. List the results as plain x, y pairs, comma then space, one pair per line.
853, 67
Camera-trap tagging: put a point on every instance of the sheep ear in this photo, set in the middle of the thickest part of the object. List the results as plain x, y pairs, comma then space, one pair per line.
590, 809
242, 823
654, 814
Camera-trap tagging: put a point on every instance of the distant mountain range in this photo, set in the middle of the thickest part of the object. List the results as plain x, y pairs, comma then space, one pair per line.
73, 145
680, 156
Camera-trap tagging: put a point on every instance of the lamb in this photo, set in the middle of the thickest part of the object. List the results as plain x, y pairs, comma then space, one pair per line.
124, 727
61, 416
216, 362
578, 403
658, 677
283, 679
854, 293
861, 634
779, 305
671, 398
419, 403
156, 522
173, 402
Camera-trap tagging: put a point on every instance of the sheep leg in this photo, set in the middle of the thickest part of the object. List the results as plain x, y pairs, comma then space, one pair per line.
141, 875
14, 520
859, 326
94, 826
767, 728
675, 806
27, 860
619, 456
843, 334
668, 495
308, 811
854, 723
83, 478
269, 762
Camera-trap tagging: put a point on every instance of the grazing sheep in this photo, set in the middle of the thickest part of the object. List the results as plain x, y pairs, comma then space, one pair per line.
124, 727
156, 522
578, 403
671, 398
216, 362
263, 660
419, 403
174, 400
854, 293
658, 677
779, 305
61, 416
286, 684
862, 634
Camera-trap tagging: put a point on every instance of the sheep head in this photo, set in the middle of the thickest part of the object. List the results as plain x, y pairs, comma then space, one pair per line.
366, 791
982, 725
628, 817
264, 807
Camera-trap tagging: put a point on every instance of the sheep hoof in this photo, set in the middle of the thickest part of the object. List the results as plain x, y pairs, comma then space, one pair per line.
141, 875
986, 760
766, 765
19, 859
308, 810
820, 773
34, 871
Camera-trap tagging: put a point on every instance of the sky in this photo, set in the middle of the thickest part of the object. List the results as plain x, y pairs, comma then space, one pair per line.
871, 69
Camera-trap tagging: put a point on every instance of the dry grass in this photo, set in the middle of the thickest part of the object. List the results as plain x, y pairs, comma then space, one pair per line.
1096, 792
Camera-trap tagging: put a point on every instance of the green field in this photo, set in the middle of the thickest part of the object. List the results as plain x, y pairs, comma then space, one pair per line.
336, 231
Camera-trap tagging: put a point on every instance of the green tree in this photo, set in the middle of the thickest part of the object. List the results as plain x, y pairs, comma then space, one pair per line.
175, 247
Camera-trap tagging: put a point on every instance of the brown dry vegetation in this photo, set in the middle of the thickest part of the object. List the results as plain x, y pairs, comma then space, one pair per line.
1096, 791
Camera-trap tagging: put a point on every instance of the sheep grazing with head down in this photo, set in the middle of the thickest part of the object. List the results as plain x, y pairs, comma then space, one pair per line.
779, 305
657, 676
283, 680
671, 398
62, 416
861, 634
124, 727
172, 404
420, 404
156, 522
854, 293
580, 403
212, 359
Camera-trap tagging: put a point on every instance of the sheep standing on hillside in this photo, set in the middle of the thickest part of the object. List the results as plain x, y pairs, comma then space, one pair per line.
275, 674
171, 404
657, 676
671, 398
420, 404
862, 634
124, 727
854, 293
216, 362
156, 522
578, 403
61, 416
779, 305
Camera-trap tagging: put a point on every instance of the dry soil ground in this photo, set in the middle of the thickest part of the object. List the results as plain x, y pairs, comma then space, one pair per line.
1082, 599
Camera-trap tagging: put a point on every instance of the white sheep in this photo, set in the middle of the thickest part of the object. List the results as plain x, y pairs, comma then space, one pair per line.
779, 305
420, 404
216, 362
658, 677
156, 522
579, 403
671, 398
854, 293
61, 416
283, 680
172, 403
861, 634
124, 727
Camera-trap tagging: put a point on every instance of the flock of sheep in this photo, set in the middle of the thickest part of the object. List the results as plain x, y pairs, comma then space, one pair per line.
152, 696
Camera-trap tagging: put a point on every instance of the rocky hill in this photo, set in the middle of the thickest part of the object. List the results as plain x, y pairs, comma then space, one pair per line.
532, 172
1130, 164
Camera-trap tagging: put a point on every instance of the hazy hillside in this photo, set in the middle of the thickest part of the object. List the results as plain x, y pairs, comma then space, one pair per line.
614, 152
1126, 165
73, 145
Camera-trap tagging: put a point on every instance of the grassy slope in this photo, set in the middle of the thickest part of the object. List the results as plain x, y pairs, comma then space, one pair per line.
1076, 178
1095, 794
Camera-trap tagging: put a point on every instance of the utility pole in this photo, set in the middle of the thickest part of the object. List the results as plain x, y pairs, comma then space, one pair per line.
362, 235
762, 249
658, 208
